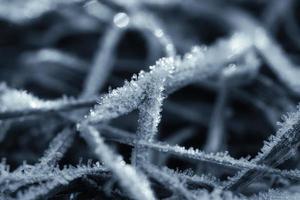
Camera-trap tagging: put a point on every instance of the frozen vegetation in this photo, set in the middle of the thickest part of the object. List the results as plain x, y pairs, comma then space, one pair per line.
149, 99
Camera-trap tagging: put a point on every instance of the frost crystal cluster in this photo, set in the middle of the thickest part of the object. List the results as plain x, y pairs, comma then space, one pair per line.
149, 99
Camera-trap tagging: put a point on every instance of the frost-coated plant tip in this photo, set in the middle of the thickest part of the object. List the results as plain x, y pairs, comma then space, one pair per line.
160, 99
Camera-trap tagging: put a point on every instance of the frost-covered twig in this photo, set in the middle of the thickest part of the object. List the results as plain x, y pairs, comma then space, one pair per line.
18, 103
58, 146
149, 118
170, 181
27, 175
194, 66
132, 181
276, 194
177, 137
275, 151
52, 180
221, 159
